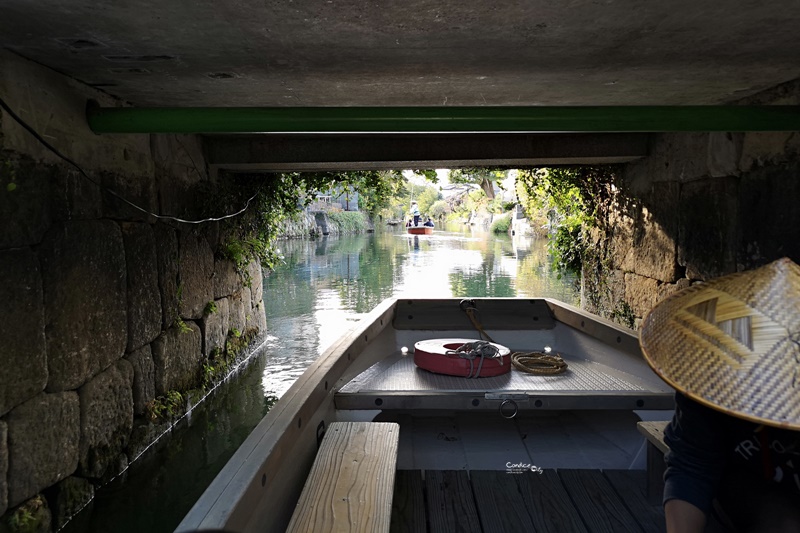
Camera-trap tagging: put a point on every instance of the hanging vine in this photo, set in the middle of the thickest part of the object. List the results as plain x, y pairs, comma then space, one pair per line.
278, 196
576, 199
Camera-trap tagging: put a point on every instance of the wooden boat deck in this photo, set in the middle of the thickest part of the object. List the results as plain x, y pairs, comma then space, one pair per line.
473, 441
563, 501
553, 500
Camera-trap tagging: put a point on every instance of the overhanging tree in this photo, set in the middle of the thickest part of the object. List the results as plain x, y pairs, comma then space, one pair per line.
485, 178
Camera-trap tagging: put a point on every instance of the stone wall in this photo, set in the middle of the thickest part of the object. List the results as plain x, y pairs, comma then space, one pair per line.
105, 308
699, 206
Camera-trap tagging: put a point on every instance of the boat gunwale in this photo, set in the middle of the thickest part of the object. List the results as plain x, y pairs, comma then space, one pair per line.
221, 504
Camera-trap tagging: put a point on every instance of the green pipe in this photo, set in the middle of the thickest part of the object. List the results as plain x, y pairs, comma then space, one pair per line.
443, 119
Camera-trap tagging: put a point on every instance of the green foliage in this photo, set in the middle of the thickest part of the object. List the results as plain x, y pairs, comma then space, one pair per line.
573, 200
496, 206
439, 209
253, 235
429, 174
501, 224
164, 407
21, 520
211, 308
426, 199
8, 173
567, 249
623, 314
425, 196
376, 188
569, 198
214, 369
238, 341
29, 517
181, 325
348, 221
485, 178
581, 191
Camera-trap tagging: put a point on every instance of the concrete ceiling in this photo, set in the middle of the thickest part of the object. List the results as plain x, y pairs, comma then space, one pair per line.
412, 52
193, 53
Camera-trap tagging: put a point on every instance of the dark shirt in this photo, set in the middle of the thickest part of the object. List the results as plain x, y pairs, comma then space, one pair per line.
708, 448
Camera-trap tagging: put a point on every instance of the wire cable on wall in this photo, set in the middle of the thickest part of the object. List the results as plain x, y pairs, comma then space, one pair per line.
50, 147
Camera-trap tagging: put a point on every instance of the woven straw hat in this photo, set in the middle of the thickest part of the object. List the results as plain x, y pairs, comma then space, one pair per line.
733, 343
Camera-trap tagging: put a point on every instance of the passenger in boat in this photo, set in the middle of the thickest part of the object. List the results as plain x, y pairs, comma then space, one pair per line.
415, 212
429, 222
410, 222
730, 348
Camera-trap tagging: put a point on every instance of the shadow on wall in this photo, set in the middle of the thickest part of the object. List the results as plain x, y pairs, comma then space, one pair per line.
700, 206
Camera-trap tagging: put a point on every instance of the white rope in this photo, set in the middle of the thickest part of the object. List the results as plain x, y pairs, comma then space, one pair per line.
473, 350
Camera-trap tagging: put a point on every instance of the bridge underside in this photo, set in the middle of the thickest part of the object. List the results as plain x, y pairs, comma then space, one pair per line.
253, 153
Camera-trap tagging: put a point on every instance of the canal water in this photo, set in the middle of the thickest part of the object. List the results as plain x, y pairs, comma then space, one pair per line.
323, 287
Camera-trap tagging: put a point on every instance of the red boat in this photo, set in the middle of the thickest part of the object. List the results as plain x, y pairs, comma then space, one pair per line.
420, 230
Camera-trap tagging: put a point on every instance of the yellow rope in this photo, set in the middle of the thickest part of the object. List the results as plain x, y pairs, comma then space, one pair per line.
538, 363
471, 311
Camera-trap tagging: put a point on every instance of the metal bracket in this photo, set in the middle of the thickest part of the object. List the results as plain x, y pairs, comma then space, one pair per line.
516, 396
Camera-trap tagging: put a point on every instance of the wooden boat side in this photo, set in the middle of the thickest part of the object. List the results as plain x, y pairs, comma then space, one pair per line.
258, 487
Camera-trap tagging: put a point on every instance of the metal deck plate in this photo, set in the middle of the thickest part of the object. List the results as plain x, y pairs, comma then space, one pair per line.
404, 376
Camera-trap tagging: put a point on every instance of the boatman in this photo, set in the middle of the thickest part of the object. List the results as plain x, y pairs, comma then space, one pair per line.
415, 212
731, 349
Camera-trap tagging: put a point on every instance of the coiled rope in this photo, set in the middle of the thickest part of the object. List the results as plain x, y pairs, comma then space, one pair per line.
539, 363
474, 350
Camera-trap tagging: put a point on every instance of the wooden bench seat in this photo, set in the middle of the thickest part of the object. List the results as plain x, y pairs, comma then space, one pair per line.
656, 448
351, 483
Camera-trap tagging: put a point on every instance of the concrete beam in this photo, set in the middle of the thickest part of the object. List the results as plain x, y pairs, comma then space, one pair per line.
284, 152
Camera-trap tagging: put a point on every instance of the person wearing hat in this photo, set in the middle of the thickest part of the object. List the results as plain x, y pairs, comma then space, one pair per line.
415, 212
731, 349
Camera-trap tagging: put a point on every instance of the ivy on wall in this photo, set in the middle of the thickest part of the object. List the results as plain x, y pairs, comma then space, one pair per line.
575, 203
279, 196
573, 199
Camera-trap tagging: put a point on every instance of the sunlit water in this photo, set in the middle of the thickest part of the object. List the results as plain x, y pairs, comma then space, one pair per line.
323, 288
327, 285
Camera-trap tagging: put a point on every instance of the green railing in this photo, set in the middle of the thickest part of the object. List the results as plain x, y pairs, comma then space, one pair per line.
444, 119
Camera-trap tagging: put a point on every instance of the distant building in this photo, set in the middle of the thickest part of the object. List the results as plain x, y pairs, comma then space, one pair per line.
344, 198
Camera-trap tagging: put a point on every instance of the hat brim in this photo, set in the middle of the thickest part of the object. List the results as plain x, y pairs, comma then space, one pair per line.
733, 343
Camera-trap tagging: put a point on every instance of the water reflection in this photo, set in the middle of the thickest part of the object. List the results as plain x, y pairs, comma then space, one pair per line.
325, 286
160, 488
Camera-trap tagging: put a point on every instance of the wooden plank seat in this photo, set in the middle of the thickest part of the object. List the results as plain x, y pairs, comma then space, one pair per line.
351, 483
656, 448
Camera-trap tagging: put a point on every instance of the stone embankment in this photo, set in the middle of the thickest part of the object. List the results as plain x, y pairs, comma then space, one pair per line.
111, 321
318, 223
